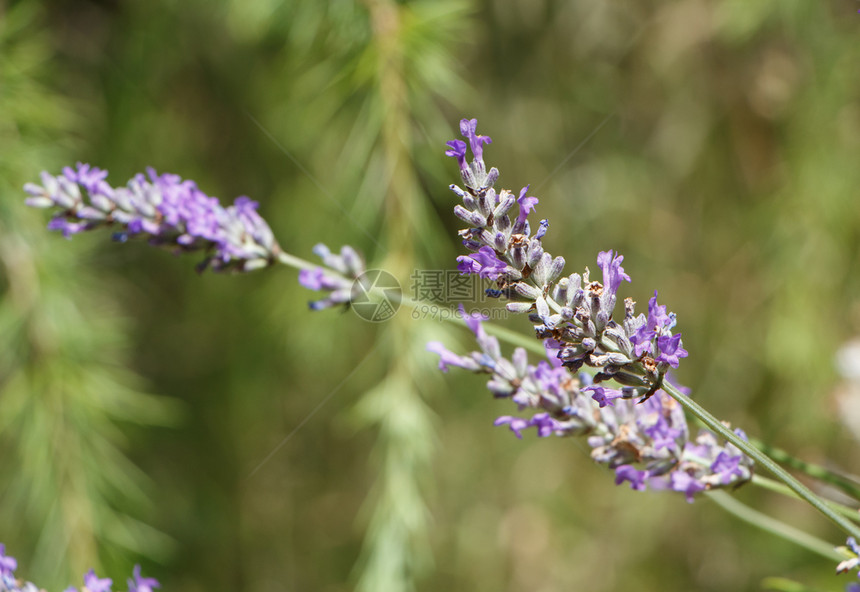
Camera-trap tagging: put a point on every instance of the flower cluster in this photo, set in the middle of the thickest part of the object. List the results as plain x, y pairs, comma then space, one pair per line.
92, 583
852, 551
573, 313
646, 444
338, 280
171, 211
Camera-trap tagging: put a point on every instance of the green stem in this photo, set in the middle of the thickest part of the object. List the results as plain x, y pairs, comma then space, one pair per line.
502, 333
757, 455
823, 474
773, 526
777, 487
296, 262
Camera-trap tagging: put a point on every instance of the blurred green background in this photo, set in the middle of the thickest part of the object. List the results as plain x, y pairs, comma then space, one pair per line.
715, 143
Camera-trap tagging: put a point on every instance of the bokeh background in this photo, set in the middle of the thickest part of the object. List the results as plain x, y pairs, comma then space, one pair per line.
715, 143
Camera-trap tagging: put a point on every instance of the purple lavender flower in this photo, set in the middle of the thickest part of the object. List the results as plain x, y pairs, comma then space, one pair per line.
170, 211
338, 279
657, 319
545, 424
527, 206
636, 478
474, 175
603, 396
8, 565
647, 444
95, 584
613, 275
458, 151
686, 483
92, 583
141, 584
469, 129
634, 351
485, 263
670, 350
448, 358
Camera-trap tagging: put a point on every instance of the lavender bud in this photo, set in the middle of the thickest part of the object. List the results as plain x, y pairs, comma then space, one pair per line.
541, 307
553, 320
89, 213
541, 271
555, 269
559, 291
64, 200
503, 224
70, 189
520, 360
500, 242
506, 202
528, 291
463, 214
34, 190
519, 307
617, 359
535, 253
39, 201
566, 313
500, 388
352, 261
469, 177
601, 318
486, 237
459, 192
492, 177
484, 205
518, 257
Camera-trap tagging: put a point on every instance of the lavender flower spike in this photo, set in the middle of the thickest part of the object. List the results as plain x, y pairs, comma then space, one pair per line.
647, 445
474, 175
92, 583
170, 211
337, 278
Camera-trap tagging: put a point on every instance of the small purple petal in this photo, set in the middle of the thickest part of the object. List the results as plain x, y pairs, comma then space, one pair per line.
603, 396
516, 424
635, 477
469, 127
141, 584
458, 151
670, 350
7, 564
686, 484
94, 584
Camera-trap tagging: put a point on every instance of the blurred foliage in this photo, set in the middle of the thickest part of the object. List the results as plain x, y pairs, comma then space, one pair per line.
713, 142
71, 496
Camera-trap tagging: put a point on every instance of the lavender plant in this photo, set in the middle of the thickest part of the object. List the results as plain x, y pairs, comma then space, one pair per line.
638, 428
92, 583
623, 435
574, 317
172, 212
